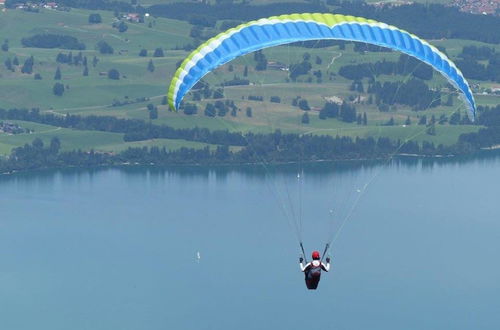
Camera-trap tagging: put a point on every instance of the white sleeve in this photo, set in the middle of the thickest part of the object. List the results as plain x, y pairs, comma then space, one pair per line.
302, 267
327, 266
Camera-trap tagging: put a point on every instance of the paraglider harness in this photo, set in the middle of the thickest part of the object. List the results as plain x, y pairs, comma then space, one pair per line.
313, 272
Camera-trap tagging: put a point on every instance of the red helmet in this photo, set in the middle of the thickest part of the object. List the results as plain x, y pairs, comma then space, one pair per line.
315, 255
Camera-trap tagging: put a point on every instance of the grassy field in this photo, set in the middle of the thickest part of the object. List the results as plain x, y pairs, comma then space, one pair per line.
86, 140
94, 94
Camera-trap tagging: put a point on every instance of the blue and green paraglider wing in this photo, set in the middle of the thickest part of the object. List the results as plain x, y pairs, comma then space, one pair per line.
284, 29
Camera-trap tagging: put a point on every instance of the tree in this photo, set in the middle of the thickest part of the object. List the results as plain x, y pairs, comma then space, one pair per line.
153, 113
94, 61
329, 110
55, 145
423, 120
365, 119
95, 19
57, 75
85, 71
190, 109
408, 121
455, 118
431, 130
28, 65
303, 105
196, 32
104, 47
248, 112
122, 27
210, 110
305, 118
49, 40
37, 144
151, 66
8, 64
347, 113
58, 89
433, 120
143, 52
359, 87
15, 61
158, 53
390, 122
5, 46
164, 100
261, 60
218, 93
38, 76
114, 74
245, 71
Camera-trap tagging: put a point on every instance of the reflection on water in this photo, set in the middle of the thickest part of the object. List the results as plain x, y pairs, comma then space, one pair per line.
251, 171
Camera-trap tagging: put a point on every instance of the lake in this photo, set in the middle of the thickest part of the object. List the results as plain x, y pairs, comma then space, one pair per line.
415, 246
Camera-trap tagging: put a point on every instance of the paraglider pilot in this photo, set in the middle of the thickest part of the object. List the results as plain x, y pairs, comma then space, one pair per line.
312, 270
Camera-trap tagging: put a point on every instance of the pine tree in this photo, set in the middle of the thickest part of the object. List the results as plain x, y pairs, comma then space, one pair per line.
85, 71
365, 119
8, 64
431, 130
151, 66
28, 65
57, 75
305, 118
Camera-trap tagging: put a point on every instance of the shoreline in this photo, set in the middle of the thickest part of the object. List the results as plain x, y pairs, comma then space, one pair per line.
378, 160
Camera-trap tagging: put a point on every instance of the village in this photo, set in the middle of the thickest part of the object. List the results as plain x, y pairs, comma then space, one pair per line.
36, 6
484, 7
11, 128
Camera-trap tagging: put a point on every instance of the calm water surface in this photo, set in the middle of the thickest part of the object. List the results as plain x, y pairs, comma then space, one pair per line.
117, 248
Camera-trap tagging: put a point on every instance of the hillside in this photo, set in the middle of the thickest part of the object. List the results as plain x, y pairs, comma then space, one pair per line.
140, 85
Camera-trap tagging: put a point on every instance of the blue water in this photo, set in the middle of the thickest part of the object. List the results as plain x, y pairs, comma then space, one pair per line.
117, 248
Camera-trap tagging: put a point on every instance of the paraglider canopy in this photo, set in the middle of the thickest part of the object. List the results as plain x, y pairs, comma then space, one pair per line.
285, 29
